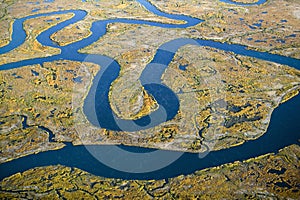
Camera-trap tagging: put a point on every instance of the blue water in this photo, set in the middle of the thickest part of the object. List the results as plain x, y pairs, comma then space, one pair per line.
252, 27
35, 73
77, 79
183, 67
280, 41
19, 34
259, 2
35, 10
16, 76
291, 36
283, 130
98, 111
264, 41
257, 24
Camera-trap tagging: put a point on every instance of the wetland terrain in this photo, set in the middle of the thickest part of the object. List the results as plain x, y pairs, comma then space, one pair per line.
200, 97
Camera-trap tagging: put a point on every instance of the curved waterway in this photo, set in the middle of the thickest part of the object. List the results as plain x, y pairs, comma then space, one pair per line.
283, 129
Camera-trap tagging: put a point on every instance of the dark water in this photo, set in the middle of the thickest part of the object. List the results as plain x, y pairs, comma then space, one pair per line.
259, 2
283, 130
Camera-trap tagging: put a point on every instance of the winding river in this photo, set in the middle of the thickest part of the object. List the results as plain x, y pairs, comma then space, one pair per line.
283, 130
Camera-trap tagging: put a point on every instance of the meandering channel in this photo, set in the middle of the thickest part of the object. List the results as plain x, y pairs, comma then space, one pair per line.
98, 111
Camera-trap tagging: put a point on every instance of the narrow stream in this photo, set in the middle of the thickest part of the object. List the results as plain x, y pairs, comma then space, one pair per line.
283, 130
